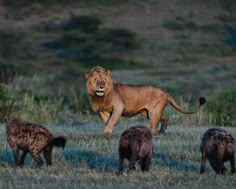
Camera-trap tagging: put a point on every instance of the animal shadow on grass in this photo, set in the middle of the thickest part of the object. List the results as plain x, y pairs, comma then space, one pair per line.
161, 159
6, 158
93, 160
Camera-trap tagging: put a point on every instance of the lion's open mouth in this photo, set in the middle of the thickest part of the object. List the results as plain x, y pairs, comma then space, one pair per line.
99, 92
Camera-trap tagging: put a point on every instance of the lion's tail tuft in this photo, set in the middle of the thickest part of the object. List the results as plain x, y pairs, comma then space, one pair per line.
202, 100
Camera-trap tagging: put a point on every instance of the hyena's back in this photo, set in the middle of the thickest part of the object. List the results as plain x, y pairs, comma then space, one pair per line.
217, 146
217, 137
27, 135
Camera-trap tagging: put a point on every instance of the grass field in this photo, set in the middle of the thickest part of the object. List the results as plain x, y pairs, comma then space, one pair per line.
90, 160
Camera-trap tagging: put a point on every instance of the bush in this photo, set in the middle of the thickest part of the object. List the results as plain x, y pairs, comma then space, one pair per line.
119, 38
229, 5
75, 38
6, 103
13, 43
223, 108
83, 39
83, 23
7, 71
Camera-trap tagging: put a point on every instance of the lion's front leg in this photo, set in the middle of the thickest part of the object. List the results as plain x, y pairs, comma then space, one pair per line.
116, 113
105, 116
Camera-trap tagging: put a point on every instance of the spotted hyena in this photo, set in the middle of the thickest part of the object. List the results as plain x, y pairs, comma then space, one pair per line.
217, 146
32, 138
136, 145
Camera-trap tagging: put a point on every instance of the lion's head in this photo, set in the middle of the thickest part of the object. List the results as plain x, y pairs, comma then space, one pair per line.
99, 81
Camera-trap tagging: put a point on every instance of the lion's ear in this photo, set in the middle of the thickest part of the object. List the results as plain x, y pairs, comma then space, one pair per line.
87, 75
108, 71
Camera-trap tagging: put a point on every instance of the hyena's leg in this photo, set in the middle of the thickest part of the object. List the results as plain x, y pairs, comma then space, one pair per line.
22, 159
145, 163
220, 156
218, 165
222, 167
232, 163
203, 162
47, 152
15, 151
121, 164
132, 163
36, 156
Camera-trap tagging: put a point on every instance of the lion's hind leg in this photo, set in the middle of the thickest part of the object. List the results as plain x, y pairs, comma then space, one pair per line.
154, 121
164, 122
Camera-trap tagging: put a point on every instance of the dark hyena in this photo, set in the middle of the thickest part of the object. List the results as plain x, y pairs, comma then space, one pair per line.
136, 145
31, 138
217, 146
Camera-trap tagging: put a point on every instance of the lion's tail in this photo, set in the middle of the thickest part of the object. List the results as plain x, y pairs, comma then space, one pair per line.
202, 100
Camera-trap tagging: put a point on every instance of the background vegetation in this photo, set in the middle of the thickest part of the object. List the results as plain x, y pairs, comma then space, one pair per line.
186, 48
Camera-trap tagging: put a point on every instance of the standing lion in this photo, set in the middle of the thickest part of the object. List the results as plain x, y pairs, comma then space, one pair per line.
112, 100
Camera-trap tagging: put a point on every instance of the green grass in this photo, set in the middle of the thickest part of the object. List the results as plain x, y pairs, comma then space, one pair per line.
90, 160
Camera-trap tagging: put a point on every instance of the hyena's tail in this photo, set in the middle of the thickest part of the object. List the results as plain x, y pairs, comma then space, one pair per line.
59, 141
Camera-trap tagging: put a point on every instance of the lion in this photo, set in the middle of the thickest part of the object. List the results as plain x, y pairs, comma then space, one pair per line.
112, 100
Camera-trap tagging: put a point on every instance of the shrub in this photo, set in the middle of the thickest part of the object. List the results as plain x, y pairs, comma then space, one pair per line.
83, 39
223, 108
83, 23
118, 37
37, 109
78, 101
13, 43
7, 71
75, 38
6, 103
229, 5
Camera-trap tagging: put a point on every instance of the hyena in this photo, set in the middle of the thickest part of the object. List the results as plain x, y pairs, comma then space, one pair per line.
217, 146
32, 138
136, 145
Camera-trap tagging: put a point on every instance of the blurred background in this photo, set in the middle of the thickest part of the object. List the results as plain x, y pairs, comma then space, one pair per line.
185, 47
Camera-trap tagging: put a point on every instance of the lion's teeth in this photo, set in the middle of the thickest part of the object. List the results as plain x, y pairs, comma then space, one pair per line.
99, 93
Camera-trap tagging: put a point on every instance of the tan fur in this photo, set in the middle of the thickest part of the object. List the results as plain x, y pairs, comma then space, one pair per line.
112, 100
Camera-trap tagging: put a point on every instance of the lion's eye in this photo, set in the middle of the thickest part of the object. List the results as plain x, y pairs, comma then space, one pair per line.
95, 79
105, 79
